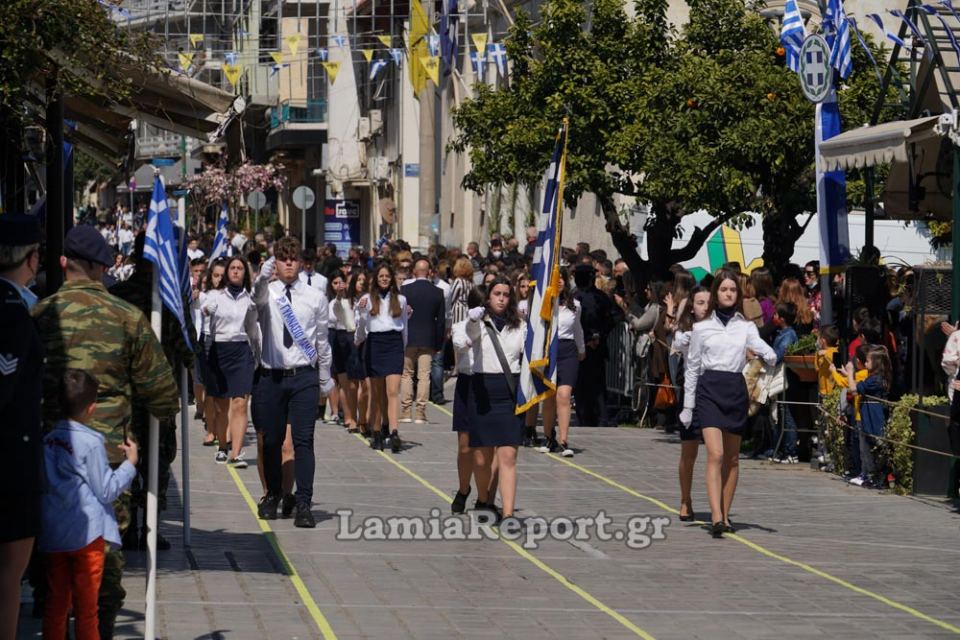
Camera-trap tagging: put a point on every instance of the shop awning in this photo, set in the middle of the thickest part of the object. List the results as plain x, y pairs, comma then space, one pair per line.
879, 144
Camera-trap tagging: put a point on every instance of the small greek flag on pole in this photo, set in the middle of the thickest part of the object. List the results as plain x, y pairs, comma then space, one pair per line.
160, 248
792, 33
220, 240
538, 364
841, 56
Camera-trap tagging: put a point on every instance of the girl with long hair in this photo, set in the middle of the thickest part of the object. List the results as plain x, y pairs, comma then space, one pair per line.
715, 395
211, 282
792, 291
234, 346
356, 370
342, 328
382, 325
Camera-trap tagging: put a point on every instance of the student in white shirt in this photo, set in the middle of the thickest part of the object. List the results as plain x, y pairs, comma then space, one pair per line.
715, 395
571, 350
461, 402
294, 372
310, 277
342, 329
234, 350
495, 429
214, 277
382, 329
356, 369
197, 270
523, 290
193, 252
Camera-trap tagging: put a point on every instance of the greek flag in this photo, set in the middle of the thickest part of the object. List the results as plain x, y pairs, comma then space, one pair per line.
376, 66
160, 248
792, 33
889, 35
538, 365
930, 10
220, 242
841, 57
914, 29
499, 53
183, 261
449, 33
831, 192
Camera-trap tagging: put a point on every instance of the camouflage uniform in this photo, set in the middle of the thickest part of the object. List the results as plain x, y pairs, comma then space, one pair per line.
84, 327
137, 290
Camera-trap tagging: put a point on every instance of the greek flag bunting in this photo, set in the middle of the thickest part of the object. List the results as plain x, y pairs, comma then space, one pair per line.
220, 242
376, 66
841, 57
889, 35
449, 34
538, 364
931, 10
914, 29
792, 33
160, 248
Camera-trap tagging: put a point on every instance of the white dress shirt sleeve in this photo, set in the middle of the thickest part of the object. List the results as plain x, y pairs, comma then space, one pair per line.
403, 319
362, 318
459, 335
692, 370
577, 330
322, 344
756, 344
261, 286
252, 327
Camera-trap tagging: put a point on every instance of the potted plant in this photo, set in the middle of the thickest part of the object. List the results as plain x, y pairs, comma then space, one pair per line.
801, 358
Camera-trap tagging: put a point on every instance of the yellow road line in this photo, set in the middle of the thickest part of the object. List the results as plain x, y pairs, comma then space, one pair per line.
322, 624
553, 573
770, 554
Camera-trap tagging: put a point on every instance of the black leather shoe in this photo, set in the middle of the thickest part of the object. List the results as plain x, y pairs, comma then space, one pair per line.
286, 505
376, 443
395, 442
460, 502
304, 518
267, 510
717, 529
687, 518
728, 527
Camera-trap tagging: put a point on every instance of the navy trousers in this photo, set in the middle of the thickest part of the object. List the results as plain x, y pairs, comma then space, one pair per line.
277, 401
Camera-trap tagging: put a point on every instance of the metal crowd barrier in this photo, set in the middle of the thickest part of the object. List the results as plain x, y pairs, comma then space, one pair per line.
621, 361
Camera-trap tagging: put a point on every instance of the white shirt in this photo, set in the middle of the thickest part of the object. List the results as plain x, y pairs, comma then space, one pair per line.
383, 321
949, 361
232, 319
238, 241
315, 280
310, 309
715, 347
195, 254
474, 335
342, 317
569, 327
463, 346
523, 306
126, 236
196, 311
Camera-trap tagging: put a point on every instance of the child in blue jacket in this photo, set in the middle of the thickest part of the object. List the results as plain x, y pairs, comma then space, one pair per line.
872, 390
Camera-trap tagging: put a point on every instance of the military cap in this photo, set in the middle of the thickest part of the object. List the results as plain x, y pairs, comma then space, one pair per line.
84, 242
19, 230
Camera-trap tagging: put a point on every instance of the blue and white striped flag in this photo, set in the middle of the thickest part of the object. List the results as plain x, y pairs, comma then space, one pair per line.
160, 248
538, 365
889, 35
841, 52
931, 10
376, 66
831, 192
928, 51
792, 33
220, 241
183, 260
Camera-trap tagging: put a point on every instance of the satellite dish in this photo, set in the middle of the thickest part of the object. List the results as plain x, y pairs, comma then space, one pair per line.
388, 210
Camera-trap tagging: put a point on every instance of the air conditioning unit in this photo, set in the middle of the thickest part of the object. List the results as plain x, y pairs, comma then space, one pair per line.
363, 129
376, 122
379, 169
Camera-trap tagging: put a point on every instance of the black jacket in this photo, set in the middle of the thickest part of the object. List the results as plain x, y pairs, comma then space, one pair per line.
427, 325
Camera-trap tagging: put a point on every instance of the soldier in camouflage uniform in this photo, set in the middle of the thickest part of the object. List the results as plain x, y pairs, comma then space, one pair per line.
84, 327
137, 290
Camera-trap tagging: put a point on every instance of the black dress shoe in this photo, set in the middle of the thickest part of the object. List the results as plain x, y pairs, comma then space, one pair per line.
286, 505
267, 509
490, 508
395, 442
728, 527
717, 529
304, 518
687, 518
460, 502
376, 443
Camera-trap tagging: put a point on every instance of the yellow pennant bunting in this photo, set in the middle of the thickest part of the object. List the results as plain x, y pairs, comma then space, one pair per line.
196, 39
277, 56
368, 54
232, 71
431, 64
293, 42
480, 42
186, 59
333, 68
387, 42
419, 28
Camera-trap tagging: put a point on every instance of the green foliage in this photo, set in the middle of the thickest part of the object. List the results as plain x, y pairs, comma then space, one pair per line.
832, 425
895, 455
83, 39
806, 345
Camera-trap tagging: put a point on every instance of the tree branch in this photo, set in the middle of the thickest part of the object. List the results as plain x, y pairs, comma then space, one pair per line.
804, 226
697, 238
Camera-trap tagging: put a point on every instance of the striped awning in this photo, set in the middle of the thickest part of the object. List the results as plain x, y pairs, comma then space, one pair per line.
879, 144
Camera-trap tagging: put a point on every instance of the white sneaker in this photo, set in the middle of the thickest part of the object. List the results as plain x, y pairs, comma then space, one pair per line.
221, 457
238, 462
407, 419
857, 481
420, 421
567, 451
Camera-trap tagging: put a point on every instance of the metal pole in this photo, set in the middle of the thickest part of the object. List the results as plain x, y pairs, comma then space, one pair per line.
184, 410
150, 619
955, 302
869, 207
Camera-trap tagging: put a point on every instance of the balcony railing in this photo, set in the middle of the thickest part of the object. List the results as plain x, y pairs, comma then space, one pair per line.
296, 111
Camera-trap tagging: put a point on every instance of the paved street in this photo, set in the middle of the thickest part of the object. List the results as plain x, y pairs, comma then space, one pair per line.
814, 557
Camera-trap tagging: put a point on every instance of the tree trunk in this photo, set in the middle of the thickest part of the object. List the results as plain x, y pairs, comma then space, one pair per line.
780, 234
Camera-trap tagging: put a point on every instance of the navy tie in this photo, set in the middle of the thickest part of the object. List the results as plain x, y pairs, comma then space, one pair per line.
309, 279
287, 338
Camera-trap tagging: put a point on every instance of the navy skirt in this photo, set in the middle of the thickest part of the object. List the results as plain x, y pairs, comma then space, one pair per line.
356, 362
461, 403
384, 354
492, 420
341, 346
200, 362
721, 402
230, 369
568, 363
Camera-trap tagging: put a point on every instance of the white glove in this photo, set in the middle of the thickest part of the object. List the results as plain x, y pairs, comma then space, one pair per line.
210, 308
326, 386
686, 417
476, 314
268, 268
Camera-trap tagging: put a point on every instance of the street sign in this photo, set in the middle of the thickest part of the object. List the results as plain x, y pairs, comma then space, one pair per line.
303, 197
257, 200
816, 75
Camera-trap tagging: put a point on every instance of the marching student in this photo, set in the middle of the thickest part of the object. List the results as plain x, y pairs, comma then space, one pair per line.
496, 336
234, 340
461, 401
295, 370
211, 282
342, 329
308, 276
570, 353
197, 269
715, 395
356, 369
382, 330
691, 438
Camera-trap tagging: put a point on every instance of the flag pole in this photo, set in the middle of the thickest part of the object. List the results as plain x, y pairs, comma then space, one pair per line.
184, 408
154, 442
